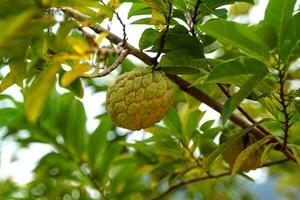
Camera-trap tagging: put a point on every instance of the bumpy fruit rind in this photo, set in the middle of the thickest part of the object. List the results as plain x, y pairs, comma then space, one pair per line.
139, 98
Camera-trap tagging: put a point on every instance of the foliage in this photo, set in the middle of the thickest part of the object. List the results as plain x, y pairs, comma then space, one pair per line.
54, 51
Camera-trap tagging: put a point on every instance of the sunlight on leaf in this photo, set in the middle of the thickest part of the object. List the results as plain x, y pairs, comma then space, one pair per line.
74, 73
36, 95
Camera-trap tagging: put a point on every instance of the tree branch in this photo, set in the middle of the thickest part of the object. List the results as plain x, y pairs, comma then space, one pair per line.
182, 84
184, 183
118, 61
283, 103
210, 176
194, 18
124, 28
275, 162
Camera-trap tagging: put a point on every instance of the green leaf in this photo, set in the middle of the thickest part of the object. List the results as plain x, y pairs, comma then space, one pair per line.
221, 148
6, 82
207, 125
180, 5
243, 71
278, 14
179, 62
72, 124
76, 88
290, 50
37, 94
18, 71
267, 151
145, 150
234, 70
183, 61
266, 33
249, 151
193, 122
148, 38
238, 35
139, 9
172, 121
18, 30
101, 151
233, 102
176, 41
8, 116
296, 152
297, 105
190, 117
217, 3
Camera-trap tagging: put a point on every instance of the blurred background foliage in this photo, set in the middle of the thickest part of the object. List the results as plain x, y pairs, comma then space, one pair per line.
43, 53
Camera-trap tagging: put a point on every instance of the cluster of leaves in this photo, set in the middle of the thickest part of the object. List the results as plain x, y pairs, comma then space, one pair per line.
39, 41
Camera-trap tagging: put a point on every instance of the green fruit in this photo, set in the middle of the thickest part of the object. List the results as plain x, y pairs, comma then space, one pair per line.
139, 98
231, 153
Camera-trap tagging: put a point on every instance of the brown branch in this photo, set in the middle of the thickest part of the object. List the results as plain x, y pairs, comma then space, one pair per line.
194, 18
198, 94
191, 154
282, 101
124, 28
210, 176
186, 86
275, 162
184, 183
108, 70
89, 38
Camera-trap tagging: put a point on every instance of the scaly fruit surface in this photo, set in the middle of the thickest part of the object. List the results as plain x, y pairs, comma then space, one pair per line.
139, 98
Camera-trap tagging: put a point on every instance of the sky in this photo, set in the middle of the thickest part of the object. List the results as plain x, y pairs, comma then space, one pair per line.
19, 163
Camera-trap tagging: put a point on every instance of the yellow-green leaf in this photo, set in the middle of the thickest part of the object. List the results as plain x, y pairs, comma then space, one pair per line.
245, 154
114, 4
157, 17
266, 154
73, 74
79, 46
296, 152
18, 71
37, 94
7, 81
221, 148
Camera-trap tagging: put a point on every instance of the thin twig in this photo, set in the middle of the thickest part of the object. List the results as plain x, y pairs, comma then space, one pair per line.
210, 176
89, 38
194, 18
191, 154
108, 70
198, 94
275, 162
284, 106
184, 183
164, 36
124, 28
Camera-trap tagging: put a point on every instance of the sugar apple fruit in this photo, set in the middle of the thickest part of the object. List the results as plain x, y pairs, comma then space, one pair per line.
139, 98
231, 154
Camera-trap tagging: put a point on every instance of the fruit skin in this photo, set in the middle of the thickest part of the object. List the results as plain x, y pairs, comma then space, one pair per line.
231, 153
139, 98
